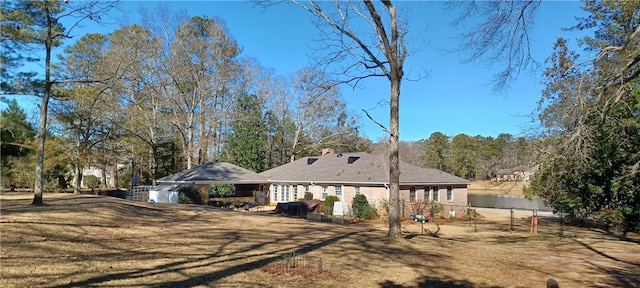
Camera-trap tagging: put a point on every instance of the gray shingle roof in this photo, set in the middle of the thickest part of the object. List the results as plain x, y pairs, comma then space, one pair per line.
355, 168
215, 172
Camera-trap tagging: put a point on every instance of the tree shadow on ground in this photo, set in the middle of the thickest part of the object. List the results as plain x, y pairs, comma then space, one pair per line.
222, 248
590, 247
114, 233
627, 274
438, 283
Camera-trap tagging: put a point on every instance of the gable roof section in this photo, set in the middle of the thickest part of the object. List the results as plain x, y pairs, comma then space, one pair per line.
355, 168
215, 173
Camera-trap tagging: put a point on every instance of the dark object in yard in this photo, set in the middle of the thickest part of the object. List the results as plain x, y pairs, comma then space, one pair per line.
552, 283
299, 209
122, 194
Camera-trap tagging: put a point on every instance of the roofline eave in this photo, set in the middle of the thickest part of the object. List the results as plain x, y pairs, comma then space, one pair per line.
365, 183
327, 182
216, 182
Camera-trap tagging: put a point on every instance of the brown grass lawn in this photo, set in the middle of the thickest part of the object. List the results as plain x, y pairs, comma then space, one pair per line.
98, 241
504, 188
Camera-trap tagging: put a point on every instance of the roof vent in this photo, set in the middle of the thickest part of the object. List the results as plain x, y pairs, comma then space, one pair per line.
339, 155
352, 159
311, 160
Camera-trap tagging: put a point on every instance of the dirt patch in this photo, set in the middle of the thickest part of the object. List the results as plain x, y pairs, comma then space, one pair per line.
91, 241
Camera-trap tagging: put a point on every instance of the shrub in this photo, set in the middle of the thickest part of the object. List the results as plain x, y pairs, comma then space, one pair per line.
362, 208
328, 204
610, 218
91, 181
435, 208
193, 195
369, 212
358, 203
223, 189
308, 196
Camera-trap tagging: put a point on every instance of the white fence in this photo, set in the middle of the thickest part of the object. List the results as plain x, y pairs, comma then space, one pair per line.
139, 193
493, 201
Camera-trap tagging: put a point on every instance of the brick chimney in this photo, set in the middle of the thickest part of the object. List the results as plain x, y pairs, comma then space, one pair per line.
326, 151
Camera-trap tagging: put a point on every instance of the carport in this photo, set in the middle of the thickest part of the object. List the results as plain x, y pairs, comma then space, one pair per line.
246, 182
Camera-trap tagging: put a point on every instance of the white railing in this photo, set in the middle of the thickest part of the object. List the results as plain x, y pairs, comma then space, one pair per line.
139, 193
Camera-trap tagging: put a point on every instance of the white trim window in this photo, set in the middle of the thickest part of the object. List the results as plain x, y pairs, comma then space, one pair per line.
449, 193
412, 194
274, 193
338, 190
324, 193
427, 193
436, 193
286, 193
294, 191
356, 190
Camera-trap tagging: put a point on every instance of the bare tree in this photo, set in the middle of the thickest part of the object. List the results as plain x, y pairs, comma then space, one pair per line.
138, 53
316, 110
200, 60
377, 51
502, 38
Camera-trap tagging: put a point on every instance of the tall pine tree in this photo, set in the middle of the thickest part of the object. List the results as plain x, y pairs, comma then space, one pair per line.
247, 142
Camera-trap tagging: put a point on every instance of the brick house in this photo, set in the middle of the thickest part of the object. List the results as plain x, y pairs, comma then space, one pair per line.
343, 174
347, 174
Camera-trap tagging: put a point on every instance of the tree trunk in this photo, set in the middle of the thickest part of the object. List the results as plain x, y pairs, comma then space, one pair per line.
114, 174
103, 176
189, 146
394, 161
295, 143
202, 140
42, 127
153, 163
78, 180
42, 132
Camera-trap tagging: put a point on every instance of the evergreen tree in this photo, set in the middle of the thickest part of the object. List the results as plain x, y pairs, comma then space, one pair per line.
464, 155
437, 151
16, 143
16, 131
247, 142
590, 167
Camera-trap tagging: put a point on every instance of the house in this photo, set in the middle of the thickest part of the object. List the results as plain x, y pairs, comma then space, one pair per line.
98, 173
518, 173
246, 182
346, 175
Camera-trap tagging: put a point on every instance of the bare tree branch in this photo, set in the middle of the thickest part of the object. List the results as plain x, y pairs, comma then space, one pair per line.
378, 123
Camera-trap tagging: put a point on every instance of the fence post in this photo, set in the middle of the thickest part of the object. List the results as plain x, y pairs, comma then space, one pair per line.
561, 223
513, 210
534, 222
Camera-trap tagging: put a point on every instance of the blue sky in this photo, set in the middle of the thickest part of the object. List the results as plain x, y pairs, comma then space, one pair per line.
455, 98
